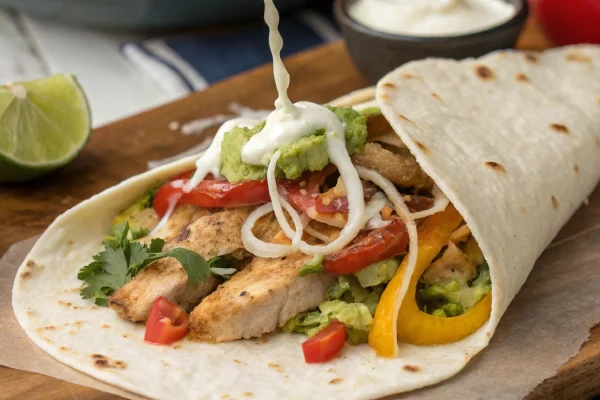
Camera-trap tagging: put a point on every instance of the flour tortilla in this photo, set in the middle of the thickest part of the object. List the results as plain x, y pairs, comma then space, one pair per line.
514, 208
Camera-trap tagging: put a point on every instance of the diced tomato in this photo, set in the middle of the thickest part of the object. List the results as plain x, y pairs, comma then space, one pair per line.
326, 344
212, 193
167, 323
335, 205
377, 245
302, 192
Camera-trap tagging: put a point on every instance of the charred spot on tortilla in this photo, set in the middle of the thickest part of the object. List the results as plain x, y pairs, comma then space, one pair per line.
30, 269
276, 367
105, 326
243, 293
45, 328
384, 97
248, 394
484, 72
411, 368
532, 58
389, 85
101, 361
423, 148
435, 96
31, 313
559, 128
410, 76
495, 166
335, 380
63, 348
554, 202
578, 57
522, 77
402, 117
576, 168
331, 370
65, 303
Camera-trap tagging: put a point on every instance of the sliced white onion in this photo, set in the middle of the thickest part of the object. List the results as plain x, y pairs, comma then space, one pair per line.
440, 202
313, 232
374, 206
278, 201
257, 246
413, 246
376, 222
338, 155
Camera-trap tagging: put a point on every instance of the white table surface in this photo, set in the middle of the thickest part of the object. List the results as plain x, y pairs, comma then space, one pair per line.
33, 48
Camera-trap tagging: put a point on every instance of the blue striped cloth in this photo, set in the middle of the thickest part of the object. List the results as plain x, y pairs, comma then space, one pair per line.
179, 65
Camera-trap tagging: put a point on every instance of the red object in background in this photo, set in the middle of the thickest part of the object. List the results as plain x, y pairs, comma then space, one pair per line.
167, 323
569, 21
326, 344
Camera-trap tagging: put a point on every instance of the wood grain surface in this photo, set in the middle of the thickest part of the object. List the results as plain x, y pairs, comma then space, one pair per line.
122, 149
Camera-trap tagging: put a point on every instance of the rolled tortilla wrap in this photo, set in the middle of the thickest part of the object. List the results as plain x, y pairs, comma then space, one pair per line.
513, 139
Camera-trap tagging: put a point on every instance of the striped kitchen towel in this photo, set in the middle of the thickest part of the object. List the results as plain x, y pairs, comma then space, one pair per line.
179, 65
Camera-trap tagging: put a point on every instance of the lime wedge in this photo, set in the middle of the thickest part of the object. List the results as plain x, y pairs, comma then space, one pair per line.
44, 124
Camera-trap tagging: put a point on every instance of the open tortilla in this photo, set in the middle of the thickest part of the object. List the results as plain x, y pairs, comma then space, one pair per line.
513, 140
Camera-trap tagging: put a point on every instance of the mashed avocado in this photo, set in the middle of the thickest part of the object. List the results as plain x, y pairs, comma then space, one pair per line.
306, 154
234, 169
454, 297
140, 215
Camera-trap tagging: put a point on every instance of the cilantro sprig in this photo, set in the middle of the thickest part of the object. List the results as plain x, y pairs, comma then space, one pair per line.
123, 258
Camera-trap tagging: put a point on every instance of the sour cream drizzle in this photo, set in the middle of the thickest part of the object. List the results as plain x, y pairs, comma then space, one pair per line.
286, 124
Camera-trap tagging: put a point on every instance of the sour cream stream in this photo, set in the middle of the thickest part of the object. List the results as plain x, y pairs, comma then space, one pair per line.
286, 124
431, 17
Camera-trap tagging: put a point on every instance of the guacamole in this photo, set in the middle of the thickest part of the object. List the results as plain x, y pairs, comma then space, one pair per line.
306, 154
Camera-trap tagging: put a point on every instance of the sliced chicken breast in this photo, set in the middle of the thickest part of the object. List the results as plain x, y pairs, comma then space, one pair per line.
209, 235
265, 295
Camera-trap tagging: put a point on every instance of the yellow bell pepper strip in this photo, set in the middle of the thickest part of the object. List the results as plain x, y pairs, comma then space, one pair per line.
413, 325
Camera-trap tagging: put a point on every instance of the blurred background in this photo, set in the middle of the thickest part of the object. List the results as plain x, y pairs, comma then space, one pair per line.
131, 55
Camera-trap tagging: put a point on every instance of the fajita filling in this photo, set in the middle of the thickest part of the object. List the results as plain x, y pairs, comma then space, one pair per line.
307, 221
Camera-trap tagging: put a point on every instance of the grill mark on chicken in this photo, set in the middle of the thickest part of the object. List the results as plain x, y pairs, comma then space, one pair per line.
403, 170
210, 236
255, 301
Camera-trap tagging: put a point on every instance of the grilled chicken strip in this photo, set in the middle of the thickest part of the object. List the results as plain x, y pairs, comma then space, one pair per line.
181, 217
400, 168
210, 236
265, 295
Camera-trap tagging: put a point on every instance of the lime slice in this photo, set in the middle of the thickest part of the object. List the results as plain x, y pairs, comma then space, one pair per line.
44, 124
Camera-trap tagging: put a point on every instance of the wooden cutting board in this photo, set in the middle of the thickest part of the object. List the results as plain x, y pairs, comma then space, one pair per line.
123, 149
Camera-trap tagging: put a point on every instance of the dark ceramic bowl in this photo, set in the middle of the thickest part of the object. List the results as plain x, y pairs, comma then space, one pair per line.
377, 53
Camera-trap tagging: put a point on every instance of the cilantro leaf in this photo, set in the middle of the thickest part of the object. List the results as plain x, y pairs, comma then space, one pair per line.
156, 245
195, 266
137, 257
123, 258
